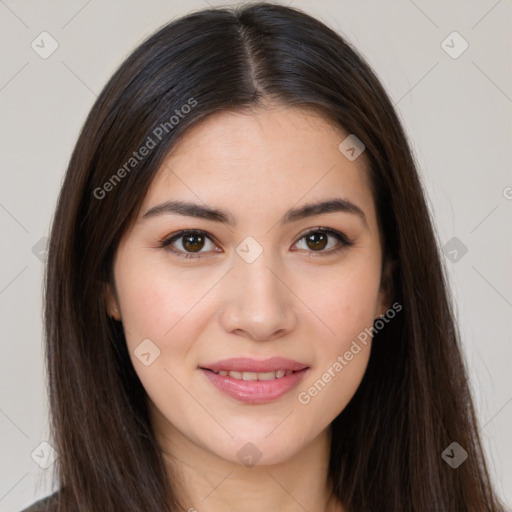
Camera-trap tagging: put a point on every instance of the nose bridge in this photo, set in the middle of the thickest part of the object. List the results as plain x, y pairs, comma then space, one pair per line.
258, 284
257, 279
258, 302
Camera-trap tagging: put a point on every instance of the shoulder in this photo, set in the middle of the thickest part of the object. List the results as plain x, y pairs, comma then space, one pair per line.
47, 504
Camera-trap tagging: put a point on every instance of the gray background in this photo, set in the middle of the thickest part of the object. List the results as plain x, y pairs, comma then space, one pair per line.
455, 111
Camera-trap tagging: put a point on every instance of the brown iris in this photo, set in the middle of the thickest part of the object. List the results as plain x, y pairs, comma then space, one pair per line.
316, 241
189, 245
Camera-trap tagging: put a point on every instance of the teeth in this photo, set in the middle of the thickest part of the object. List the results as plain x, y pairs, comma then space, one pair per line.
270, 375
255, 375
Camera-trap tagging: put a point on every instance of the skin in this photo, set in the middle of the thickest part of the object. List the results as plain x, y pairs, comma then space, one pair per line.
291, 302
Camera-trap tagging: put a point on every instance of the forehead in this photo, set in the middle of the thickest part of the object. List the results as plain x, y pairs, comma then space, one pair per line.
272, 134
254, 158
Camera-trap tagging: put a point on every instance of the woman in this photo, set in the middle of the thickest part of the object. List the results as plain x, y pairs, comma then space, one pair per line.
246, 307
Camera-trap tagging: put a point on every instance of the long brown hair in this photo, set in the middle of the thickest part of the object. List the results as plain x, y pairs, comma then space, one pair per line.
414, 399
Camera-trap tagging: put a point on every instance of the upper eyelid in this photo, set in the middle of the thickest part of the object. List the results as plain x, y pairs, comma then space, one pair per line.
171, 238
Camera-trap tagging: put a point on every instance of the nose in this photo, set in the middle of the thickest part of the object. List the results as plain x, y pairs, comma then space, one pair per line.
257, 303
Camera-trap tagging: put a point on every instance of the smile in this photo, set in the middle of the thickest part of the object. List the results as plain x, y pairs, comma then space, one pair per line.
254, 381
255, 375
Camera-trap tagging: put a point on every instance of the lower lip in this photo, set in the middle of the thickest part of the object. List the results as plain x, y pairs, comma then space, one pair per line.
255, 391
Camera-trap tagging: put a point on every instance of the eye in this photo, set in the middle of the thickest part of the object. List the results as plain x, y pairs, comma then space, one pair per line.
317, 240
193, 242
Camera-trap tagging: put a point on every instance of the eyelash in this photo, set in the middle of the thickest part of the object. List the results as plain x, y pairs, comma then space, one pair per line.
166, 243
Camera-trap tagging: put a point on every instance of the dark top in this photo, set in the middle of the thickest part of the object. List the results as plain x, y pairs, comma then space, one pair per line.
44, 505
48, 504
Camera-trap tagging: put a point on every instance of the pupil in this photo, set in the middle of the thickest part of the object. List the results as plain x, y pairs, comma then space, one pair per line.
317, 244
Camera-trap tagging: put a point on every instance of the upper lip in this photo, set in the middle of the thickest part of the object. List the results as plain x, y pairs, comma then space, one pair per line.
246, 364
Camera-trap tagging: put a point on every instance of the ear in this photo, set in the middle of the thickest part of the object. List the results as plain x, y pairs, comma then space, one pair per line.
111, 301
387, 288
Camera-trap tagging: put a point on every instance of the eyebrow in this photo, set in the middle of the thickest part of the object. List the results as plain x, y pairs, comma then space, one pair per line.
225, 217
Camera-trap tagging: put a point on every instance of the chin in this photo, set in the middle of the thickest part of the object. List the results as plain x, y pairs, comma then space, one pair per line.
250, 451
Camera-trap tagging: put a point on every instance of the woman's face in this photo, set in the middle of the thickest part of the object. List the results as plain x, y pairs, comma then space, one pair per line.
255, 286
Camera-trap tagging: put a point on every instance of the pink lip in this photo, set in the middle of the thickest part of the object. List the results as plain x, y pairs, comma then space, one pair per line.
245, 364
255, 391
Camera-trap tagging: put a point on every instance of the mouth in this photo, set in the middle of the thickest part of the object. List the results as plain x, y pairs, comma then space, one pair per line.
278, 374
249, 365
255, 382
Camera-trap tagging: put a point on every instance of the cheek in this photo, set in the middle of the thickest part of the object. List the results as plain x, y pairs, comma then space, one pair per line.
341, 361
345, 308
154, 302
167, 307
343, 302
158, 306
143, 301
331, 388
